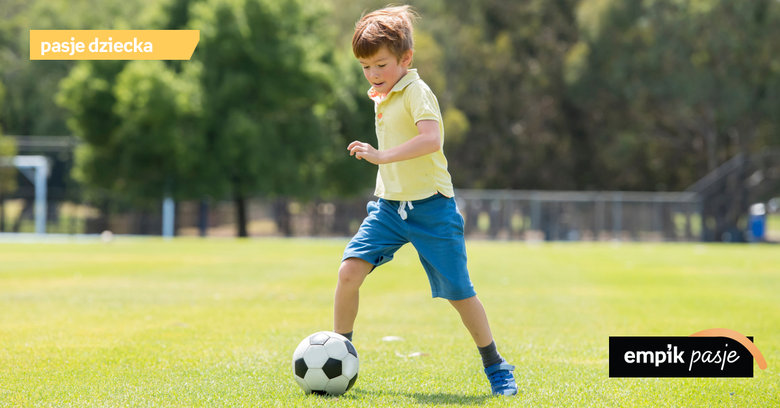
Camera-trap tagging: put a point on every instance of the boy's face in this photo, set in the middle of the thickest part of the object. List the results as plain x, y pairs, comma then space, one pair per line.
383, 69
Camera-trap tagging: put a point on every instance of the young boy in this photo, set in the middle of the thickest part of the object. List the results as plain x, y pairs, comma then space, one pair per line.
414, 188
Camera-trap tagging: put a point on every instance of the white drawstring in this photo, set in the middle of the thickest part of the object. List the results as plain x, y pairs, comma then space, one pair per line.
402, 209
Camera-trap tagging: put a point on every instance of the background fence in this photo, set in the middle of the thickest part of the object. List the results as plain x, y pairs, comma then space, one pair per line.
575, 215
707, 211
509, 215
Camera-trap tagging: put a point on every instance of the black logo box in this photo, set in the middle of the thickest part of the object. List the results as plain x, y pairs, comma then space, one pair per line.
672, 357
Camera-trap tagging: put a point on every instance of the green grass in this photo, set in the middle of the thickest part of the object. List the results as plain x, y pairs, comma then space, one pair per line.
188, 322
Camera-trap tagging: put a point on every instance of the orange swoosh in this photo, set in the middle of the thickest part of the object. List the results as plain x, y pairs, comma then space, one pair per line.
744, 341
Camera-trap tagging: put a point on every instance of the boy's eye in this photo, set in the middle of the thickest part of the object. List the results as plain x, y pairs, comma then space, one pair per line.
381, 65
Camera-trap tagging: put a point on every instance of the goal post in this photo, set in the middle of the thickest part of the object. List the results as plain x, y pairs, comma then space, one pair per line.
36, 169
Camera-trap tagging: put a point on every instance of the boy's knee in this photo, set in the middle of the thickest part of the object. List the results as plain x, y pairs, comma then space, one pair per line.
353, 271
472, 300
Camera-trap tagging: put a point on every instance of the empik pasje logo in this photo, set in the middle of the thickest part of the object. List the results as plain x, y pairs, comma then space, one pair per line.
708, 353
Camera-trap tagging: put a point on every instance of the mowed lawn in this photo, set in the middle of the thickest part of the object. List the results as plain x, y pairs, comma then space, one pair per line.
209, 323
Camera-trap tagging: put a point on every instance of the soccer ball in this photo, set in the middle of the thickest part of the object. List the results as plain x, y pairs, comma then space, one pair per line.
325, 363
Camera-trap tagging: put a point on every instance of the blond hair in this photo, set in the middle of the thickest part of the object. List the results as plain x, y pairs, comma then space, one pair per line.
390, 27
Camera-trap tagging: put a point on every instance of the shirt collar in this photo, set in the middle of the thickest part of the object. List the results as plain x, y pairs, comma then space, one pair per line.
411, 76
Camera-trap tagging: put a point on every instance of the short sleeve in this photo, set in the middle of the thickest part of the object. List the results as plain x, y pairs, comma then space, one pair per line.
422, 103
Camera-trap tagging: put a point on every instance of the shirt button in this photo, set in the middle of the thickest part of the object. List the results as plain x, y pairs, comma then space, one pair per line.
379, 115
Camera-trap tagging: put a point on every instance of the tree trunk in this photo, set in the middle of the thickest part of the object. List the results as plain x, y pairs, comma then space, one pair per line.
282, 216
203, 218
27, 209
240, 202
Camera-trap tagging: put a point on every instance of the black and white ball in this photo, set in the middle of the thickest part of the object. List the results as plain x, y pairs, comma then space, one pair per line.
325, 363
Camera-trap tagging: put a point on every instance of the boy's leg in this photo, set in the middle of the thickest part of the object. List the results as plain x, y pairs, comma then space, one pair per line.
498, 371
473, 315
475, 319
352, 273
378, 238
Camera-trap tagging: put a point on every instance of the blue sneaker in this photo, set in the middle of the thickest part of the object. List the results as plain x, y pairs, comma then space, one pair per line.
502, 382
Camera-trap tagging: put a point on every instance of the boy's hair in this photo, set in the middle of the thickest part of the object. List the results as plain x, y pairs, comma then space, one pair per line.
390, 27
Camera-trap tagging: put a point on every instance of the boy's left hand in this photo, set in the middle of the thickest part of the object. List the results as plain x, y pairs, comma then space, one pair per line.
364, 151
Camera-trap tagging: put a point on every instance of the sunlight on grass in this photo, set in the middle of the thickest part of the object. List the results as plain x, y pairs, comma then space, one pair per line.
190, 322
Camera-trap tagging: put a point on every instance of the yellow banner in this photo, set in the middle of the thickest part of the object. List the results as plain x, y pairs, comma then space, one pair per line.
113, 44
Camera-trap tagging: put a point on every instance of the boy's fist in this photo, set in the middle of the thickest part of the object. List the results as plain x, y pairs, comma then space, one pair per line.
364, 151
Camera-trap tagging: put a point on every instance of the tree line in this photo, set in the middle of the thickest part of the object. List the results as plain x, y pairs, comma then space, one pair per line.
567, 94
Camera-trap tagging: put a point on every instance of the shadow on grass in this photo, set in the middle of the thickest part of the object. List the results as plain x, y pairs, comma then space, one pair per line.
427, 398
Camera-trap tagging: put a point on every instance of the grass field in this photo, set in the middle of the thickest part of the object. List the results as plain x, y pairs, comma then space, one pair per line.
146, 322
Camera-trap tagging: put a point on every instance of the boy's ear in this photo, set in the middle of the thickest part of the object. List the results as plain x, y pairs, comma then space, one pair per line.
406, 58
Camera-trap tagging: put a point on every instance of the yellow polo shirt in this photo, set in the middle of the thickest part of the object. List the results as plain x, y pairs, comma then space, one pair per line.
397, 114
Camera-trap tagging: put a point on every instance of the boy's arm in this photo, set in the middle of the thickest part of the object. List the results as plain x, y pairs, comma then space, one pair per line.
426, 142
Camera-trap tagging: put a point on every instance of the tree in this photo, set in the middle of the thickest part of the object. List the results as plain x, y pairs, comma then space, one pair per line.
265, 80
675, 88
504, 71
30, 107
7, 170
259, 110
138, 122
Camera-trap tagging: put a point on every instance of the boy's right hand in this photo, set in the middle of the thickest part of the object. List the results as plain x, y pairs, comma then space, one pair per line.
364, 151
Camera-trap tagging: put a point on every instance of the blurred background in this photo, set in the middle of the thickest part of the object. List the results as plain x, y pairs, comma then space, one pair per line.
652, 120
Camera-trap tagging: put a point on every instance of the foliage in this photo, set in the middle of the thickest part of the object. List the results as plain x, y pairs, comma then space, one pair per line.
506, 79
157, 140
30, 107
571, 94
7, 152
265, 107
349, 116
7, 171
263, 73
273, 107
675, 87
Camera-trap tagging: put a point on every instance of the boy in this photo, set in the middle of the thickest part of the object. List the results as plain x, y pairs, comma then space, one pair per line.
414, 188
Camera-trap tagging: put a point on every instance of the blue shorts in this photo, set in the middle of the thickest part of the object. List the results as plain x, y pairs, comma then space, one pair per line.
435, 228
